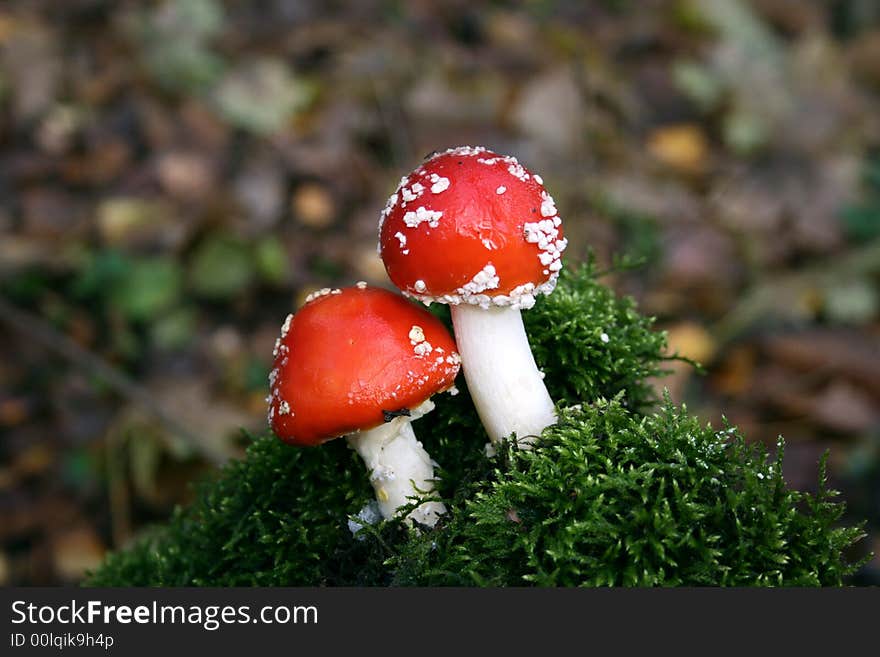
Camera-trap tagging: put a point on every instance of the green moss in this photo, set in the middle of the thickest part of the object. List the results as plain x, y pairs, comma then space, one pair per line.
613, 498
277, 516
592, 343
610, 497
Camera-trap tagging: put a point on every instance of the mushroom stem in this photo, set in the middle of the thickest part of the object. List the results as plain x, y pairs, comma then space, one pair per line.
400, 468
504, 382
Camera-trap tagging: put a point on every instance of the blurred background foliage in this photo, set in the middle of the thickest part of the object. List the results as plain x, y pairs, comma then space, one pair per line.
176, 176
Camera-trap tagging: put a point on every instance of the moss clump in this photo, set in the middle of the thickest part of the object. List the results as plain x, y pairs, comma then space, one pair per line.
277, 516
592, 343
610, 497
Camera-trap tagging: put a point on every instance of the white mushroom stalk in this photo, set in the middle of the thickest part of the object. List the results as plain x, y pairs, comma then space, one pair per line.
504, 382
401, 471
363, 362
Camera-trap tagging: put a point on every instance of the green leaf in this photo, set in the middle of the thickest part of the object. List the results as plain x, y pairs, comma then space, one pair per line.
271, 260
221, 267
862, 222
148, 287
261, 96
174, 329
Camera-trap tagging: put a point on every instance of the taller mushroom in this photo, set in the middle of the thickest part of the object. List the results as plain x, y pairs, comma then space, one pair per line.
478, 231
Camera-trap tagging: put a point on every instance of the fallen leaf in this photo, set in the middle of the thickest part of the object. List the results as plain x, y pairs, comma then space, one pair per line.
23, 515
313, 205
261, 95
260, 190
51, 214
559, 123
148, 287
214, 420
831, 353
221, 267
75, 551
681, 147
865, 57
136, 222
58, 129
30, 58
13, 411
368, 265
688, 340
103, 163
733, 376
691, 340
186, 175
844, 407
853, 301
35, 460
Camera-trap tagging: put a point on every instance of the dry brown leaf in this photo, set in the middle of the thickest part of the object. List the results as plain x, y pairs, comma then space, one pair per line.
559, 129
691, 340
844, 407
75, 551
135, 222
831, 353
734, 375
368, 265
683, 148
312, 205
215, 421
186, 175
13, 411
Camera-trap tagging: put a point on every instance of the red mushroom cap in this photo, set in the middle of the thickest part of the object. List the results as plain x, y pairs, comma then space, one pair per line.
472, 226
348, 355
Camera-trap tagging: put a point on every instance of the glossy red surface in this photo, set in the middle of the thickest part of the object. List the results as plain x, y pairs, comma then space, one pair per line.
347, 356
485, 208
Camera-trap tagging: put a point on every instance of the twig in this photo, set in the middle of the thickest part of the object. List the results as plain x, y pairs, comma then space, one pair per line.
36, 328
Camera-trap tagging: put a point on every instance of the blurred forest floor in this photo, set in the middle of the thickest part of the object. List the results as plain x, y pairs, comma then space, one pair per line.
176, 176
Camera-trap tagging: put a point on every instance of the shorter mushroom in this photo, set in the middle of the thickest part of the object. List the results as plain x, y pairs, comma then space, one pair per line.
363, 362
